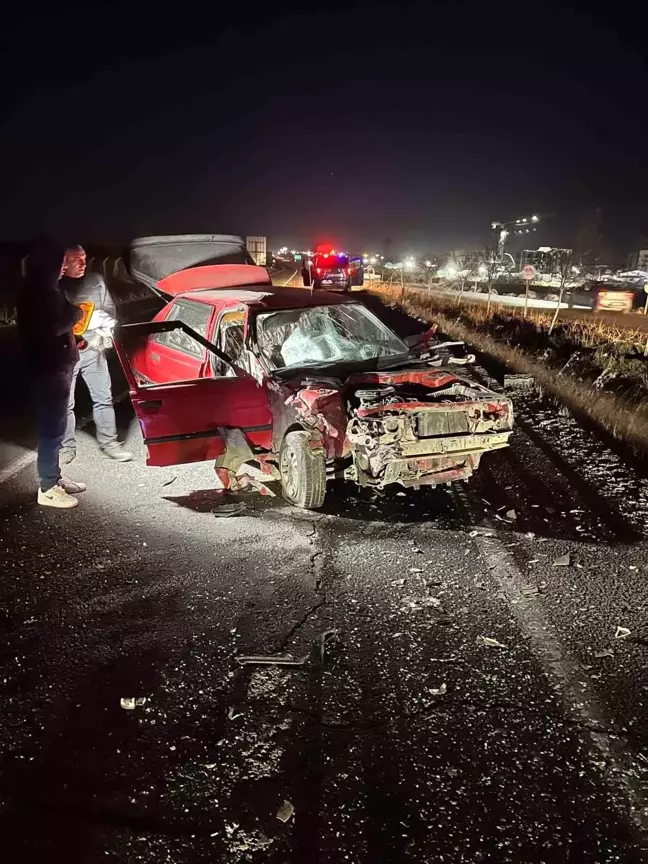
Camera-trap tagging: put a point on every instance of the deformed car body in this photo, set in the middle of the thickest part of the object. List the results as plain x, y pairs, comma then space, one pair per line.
304, 387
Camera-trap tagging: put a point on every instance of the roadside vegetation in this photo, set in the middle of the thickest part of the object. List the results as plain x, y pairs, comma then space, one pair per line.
598, 371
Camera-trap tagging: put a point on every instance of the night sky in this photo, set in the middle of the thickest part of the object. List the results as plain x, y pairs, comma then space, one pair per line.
419, 122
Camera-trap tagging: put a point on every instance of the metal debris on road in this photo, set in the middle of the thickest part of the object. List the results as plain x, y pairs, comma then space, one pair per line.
270, 660
489, 642
529, 590
604, 652
130, 703
563, 561
325, 639
285, 812
235, 508
621, 632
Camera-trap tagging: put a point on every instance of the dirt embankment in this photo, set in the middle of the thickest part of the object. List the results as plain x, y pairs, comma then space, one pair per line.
595, 369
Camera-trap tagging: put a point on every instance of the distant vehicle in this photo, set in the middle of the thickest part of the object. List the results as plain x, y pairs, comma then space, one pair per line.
603, 296
330, 269
258, 249
303, 386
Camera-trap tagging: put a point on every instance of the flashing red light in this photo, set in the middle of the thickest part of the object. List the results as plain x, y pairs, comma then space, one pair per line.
318, 270
326, 254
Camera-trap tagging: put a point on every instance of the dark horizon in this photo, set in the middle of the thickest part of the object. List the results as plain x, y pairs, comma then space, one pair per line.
418, 124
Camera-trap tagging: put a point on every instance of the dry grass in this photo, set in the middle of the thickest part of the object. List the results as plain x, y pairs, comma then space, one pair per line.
626, 419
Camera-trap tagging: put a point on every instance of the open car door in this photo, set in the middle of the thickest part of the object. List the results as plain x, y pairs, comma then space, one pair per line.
182, 421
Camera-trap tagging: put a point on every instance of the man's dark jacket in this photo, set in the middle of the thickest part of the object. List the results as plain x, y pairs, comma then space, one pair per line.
45, 316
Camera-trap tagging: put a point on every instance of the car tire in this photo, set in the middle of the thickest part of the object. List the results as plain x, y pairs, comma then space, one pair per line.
303, 472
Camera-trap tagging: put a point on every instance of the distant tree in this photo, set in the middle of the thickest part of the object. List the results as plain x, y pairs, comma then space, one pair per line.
586, 256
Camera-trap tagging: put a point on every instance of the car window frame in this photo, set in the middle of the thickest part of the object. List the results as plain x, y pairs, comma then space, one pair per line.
178, 304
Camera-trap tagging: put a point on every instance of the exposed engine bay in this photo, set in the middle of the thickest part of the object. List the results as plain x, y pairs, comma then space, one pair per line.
416, 426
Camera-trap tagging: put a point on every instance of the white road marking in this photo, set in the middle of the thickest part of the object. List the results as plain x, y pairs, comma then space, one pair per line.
619, 765
284, 284
17, 465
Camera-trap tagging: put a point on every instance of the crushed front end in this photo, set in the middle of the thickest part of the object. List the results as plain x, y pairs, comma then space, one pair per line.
404, 429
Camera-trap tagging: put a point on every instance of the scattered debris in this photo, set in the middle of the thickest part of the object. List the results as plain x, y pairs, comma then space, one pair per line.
398, 583
604, 652
285, 812
270, 660
325, 639
169, 482
415, 570
438, 691
417, 551
563, 561
226, 509
130, 703
452, 772
519, 381
487, 640
621, 632
232, 714
511, 515
530, 535
529, 590
230, 830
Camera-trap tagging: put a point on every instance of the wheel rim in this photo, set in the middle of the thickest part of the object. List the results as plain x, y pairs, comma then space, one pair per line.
289, 473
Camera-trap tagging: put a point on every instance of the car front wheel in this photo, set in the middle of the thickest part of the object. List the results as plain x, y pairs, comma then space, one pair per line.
303, 472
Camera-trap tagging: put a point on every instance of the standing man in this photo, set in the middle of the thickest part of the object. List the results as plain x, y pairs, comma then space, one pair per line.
45, 322
90, 287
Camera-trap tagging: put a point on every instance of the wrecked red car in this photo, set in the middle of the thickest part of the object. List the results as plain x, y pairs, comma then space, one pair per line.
299, 388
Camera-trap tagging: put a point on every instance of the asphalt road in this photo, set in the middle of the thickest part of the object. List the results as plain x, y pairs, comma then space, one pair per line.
406, 735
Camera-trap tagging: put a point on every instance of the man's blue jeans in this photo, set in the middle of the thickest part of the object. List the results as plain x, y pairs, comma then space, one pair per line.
94, 371
52, 391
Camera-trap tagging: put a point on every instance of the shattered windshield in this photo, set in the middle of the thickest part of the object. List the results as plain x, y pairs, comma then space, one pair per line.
324, 334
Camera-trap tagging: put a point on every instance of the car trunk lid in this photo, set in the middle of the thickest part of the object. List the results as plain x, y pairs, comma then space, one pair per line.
152, 259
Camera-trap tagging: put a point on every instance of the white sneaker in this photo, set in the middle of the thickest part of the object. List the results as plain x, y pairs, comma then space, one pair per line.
72, 487
57, 497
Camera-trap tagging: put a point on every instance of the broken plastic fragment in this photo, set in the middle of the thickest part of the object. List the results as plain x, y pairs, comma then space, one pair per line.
487, 640
563, 561
438, 691
511, 515
130, 703
285, 812
415, 570
621, 632
604, 652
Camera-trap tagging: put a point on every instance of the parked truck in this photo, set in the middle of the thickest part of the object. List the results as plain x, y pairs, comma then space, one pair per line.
258, 249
